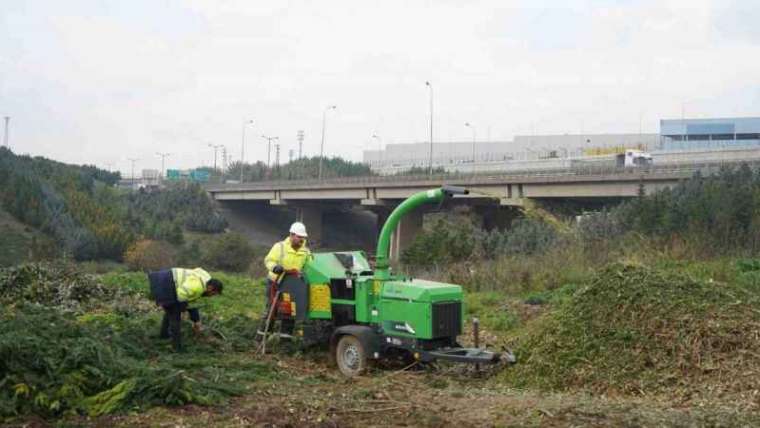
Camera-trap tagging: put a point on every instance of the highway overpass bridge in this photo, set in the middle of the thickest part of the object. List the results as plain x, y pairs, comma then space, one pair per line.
494, 196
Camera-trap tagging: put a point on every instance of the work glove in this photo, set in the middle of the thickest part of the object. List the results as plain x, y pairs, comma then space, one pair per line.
278, 269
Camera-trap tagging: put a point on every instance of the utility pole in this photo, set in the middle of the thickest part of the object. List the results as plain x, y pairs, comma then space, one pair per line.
469, 125
133, 160
163, 156
322, 145
300, 136
242, 147
277, 155
215, 147
224, 158
269, 148
5, 136
430, 159
379, 149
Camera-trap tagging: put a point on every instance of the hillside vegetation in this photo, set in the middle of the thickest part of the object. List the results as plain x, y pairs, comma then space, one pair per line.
87, 218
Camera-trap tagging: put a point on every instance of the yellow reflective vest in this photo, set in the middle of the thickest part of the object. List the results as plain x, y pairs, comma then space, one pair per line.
283, 254
190, 283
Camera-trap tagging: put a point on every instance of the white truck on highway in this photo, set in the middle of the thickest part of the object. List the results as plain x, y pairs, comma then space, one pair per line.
633, 159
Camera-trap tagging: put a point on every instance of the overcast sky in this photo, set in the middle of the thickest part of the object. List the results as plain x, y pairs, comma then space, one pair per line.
99, 81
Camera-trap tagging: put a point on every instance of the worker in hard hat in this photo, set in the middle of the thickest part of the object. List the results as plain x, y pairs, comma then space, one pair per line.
174, 290
287, 258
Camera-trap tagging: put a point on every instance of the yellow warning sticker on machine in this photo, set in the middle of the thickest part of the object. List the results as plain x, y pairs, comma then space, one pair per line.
319, 298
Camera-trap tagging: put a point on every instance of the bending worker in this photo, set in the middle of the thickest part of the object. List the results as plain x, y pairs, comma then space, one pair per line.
288, 257
173, 289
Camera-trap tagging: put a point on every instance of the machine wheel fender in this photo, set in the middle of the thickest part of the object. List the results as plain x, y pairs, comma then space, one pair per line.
366, 335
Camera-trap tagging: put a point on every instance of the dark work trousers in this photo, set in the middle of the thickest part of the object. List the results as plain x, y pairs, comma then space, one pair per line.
296, 287
164, 292
171, 324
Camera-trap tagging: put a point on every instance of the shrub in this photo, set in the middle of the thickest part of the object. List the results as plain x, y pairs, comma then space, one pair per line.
229, 252
190, 254
526, 236
449, 240
147, 255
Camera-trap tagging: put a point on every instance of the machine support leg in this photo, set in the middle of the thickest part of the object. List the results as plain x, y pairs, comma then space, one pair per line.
476, 337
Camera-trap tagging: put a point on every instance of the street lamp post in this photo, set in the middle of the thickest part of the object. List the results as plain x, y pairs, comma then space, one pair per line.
430, 158
163, 156
242, 147
269, 147
379, 149
322, 145
133, 160
215, 147
469, 125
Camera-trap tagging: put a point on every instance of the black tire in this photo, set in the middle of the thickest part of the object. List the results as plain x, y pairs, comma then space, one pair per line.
350, 356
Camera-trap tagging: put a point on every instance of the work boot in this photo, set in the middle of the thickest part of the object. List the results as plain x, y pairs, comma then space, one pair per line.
287, 327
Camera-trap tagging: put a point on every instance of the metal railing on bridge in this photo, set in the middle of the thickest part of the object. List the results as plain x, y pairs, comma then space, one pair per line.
670, 170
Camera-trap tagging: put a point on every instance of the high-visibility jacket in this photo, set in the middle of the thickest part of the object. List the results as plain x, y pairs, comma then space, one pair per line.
190, 283
283, 254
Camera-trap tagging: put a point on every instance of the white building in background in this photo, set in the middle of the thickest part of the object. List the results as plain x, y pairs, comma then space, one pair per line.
150, 177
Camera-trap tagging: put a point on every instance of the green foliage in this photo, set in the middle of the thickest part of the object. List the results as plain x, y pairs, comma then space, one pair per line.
452, 239
91, 348
526, 236
190, 254
59, 285
716, 214
162, 214
147, 255
491, 310
421, 170
228, 252
81, 211
641, 330
447, 240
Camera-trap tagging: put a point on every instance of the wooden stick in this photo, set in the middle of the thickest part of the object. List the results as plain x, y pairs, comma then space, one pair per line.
273, 304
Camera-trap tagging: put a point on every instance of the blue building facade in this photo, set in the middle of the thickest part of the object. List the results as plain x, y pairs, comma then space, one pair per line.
696, 134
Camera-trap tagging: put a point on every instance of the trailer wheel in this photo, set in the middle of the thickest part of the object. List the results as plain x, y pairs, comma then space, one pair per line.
350, 356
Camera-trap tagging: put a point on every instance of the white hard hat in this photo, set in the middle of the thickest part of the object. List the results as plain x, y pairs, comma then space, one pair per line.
299, 229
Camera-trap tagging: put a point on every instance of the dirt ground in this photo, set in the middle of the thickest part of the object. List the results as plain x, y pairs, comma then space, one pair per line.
311, 393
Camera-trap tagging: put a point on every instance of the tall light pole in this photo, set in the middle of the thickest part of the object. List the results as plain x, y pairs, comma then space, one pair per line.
300, 136
269, 147
430, 159
5, 135
133, 160
379, 149
242, 147
163, 156
322, 145
469, 125
215, 147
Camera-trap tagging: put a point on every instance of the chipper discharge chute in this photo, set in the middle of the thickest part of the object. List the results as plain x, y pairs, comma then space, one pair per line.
372, 314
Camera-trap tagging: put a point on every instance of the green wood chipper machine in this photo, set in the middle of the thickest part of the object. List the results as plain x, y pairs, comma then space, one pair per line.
365, 313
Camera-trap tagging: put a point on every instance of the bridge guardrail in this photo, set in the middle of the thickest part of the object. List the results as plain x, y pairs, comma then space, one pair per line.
671, 169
